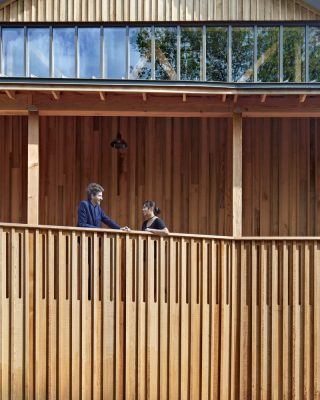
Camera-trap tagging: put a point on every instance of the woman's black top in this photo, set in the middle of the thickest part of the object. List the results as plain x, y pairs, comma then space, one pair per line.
156, 224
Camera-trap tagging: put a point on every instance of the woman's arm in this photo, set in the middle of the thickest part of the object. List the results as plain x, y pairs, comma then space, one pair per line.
161, 232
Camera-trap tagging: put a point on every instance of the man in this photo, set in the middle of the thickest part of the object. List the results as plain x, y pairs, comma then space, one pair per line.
90, 214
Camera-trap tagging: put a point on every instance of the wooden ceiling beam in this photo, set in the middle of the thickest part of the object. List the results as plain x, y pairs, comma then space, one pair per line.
224, 98
184, 97
302, 98
263, 98
10, 94
55, 94
144, 96
102, 96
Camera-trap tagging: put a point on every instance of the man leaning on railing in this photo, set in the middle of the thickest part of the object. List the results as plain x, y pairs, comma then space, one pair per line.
90, 214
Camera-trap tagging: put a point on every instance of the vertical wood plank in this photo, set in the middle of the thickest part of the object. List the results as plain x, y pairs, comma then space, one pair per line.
237, 175
163, 319
96, 319
195, 336
180, 278
225, 322
33, 169
75, 317
40, 316
141, 312
5, 319
130, 332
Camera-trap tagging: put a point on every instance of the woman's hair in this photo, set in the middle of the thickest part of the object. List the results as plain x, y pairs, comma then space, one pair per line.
93, 189
152, 204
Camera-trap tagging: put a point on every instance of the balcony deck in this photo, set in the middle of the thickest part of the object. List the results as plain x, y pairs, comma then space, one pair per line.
113, 315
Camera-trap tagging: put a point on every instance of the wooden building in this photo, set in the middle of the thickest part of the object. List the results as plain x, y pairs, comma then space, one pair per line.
218, 101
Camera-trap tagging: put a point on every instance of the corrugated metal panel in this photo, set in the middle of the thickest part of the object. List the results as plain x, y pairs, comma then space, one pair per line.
154, 10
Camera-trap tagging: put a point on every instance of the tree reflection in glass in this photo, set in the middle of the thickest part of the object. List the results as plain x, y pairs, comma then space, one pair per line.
166, 53
64, 53
13, 51
268, 54
242, 54
191, 54
140, 53
89, 52
314, 54
217, 54
115, 53
293, 54
38, 52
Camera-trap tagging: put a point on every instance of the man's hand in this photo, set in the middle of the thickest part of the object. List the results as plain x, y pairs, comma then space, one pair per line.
125, 228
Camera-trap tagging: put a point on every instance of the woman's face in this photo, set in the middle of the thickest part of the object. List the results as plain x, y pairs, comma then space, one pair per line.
147, 212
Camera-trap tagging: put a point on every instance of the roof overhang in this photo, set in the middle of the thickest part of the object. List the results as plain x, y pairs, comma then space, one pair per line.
145, 98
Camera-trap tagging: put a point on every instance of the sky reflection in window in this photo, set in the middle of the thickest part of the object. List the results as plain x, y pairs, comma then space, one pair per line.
38, 52
64, 52
115, 53
89, 52
13, 51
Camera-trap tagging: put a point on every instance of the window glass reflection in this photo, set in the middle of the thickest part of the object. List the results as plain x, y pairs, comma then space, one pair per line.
13, 51
89, 52
140, 53
191, 54
64, 52
217, 52
115, 53
314, 54
268, 54
242, 54
293, 54
38, 52
166, 53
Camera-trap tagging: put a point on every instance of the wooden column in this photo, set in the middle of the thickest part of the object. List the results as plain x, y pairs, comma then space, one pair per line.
33, 168
237, 175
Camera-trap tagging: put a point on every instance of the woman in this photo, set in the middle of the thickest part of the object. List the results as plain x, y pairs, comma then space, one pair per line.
152, 223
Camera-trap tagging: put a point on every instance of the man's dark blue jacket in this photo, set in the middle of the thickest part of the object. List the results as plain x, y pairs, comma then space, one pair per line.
90, 216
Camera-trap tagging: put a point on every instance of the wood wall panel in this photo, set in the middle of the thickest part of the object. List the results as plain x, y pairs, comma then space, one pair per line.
281, 177
13, 168
153, 10
184, 164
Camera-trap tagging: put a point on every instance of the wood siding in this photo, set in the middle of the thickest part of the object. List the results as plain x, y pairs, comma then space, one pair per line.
13, 168
153, 10
281, 176
212, 318
184, 164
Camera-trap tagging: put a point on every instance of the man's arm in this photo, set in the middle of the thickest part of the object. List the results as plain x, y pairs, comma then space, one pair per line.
83, 217
108, 221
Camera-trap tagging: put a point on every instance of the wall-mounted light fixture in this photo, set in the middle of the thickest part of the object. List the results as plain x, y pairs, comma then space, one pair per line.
119, 143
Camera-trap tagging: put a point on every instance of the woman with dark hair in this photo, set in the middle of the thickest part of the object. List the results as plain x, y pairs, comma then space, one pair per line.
152, 223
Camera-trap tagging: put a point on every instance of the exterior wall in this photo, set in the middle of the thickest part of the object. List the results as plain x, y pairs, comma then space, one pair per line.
281, 172
13, 169
184, 164
153, 10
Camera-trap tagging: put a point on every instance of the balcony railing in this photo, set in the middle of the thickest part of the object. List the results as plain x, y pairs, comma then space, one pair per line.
107, 314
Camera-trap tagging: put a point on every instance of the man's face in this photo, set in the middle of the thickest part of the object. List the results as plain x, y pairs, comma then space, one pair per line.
96, 199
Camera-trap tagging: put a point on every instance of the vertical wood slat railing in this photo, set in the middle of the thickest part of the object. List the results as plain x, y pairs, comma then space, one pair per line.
111, 315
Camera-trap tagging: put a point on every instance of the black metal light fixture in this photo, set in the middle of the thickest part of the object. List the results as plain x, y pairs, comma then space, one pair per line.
119, 143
